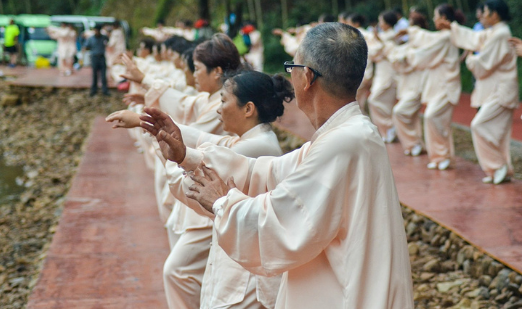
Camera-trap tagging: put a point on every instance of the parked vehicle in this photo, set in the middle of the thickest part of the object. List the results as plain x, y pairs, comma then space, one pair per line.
34, 40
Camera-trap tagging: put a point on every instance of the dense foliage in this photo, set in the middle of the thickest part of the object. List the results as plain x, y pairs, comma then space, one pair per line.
140, 13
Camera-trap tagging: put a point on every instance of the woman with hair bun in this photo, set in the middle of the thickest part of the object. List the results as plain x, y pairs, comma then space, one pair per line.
496, 88
250, 101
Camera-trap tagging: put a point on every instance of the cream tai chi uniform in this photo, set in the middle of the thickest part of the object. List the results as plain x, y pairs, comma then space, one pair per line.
384, 85
291, 42
496, 92
190, 234
164, 199
440, 58
66, 40
255, 55
159, 34
330, 221
226, 284
115, 47
410, 81
366, 84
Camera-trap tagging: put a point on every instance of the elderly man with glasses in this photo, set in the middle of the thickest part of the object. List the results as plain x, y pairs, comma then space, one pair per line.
326, 216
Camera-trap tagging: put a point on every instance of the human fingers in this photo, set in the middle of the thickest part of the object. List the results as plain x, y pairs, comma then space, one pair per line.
231, 184
210, 173
149, 128
114, 116
201, 180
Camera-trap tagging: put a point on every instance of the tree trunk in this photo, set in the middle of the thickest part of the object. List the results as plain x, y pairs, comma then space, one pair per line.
284, 13
163, 9
251, 10
259, 14
204, 10
335, 7
347, 5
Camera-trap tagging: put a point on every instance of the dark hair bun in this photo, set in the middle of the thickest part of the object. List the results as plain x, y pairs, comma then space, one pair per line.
283, 88
268, 93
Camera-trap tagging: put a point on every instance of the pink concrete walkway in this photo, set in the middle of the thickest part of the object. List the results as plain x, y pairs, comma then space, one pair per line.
487, 216
110, 246
30, 77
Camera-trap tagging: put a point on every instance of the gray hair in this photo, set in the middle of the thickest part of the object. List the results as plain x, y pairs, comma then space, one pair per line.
339, 52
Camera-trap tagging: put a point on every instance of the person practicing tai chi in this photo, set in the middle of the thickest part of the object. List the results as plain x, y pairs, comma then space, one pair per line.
496, 88
329, 219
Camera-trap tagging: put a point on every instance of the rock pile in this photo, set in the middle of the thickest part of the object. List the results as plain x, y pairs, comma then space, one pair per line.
44, 132
449, 273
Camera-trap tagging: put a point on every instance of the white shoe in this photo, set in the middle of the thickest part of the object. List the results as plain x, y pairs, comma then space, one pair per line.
432, 165
500, 174
416, 150
68, 73
391, 135
487, 179
407, 152
444, 164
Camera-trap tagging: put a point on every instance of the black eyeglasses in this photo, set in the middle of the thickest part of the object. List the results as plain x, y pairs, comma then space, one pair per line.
289, 65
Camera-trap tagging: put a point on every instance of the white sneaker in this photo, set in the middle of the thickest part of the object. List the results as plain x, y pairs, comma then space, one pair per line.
500, 175
407, 152
444, 164
487, 179
416, 150
391, 135
432, 165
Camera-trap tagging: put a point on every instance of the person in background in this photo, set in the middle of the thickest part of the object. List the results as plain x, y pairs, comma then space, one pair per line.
478, 14
255, 54
402, 23
384, 84
357, 21
116, 45
97, 44
517, 44
496, 88
11, 42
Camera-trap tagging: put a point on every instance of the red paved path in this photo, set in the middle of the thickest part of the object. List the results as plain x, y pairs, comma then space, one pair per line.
31, 77
487, 216
110, 246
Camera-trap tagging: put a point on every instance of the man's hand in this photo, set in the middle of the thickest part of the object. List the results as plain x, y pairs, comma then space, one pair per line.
167, 133
208, 188
135, 98
517, 44
133, 73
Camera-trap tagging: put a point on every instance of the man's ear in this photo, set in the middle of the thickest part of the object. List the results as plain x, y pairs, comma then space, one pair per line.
309, 76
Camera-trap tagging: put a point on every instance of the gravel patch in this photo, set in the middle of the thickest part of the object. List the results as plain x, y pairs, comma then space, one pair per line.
44, 133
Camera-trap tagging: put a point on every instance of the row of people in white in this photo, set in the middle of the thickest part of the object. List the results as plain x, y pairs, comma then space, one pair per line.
321, 224
413, 74
189, 233
342, 275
